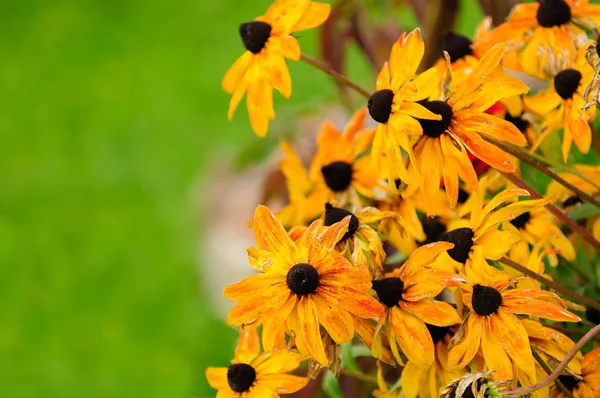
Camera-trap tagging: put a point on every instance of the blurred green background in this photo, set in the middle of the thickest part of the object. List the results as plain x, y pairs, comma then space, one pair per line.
110, 111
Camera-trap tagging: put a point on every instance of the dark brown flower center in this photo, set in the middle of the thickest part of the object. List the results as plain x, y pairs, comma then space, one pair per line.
337, 175
463, 241
553, 13
389, 290
592, 315
255, 35
463, 196
437, 332
457, 46
302, 279
566, 83
335, 214
486, 300
518, 121
240, 377
569, 381
573, 200
433, 228
380, 105
521, 221
435, 128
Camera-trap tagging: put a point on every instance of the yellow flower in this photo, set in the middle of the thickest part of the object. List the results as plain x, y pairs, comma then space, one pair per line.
423, 382
588, 384
262, 67
442, 151
491, 323
255, 375
393, 106
549, 31
561, 105
408, 295
302, 285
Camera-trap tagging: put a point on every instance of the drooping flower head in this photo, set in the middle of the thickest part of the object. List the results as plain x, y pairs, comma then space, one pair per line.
491, 323
479, 385
408, 296
585, 385
442, 152
262, 68
255, 375
302, 285
562, 104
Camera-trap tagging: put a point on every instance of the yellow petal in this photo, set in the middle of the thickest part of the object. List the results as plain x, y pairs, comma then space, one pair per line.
508, 330
236, 72
248, 347
423, 256
271, 236
432, 312
273, 323
217, 378
315, 14
413, 377
465, 343
309, 332
494, 355
413, 337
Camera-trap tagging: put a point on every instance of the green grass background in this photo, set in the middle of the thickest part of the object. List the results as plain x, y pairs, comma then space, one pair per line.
109, 112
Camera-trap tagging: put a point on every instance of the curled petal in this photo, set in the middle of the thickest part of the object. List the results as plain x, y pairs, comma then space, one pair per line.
432, 312
423, 256
465, 343
510, 333
428, 283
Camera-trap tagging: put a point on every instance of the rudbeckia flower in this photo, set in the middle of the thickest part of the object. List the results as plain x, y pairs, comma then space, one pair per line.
535, 226
302, 285
442, 151
549, 31
562, 104
408, 295
255, 375
479, 238
588, 384
394, 105
491, 323
423, 382
262, 68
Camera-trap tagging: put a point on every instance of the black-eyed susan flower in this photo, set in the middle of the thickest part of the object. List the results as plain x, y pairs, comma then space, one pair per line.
549, 32
394, 105
262, 68
479, 238
491, 323
537, 226
588, 384
442, 152
408, 295
561, 106
424, 382
302, 285
477, 385
255, 375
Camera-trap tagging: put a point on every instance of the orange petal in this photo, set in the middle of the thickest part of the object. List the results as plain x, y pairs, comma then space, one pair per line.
406, 56
413, 337
271, 236
320, 248
494, 355
423, 256
278, 361
485, 151
432, 312
251, 286
248, 347
354, 301
217, 378
309, 331
274, 323
282, 383
337, 322
525, 302
511, 334
465, 343
428, 283
251, 309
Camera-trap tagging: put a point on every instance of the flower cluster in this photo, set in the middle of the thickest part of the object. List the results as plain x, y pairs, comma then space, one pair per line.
411, 232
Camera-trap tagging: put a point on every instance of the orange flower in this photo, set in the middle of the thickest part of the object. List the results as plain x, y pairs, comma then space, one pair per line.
302, 285
255, 375
588, 384
491, 323
262, 67
408, 295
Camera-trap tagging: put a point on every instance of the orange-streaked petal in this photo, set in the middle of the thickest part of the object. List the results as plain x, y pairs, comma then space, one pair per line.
413, 337
248, 347
465, 343
428, 283
338, 322
282, 383
354, 301
423, 256
527, 304
309, 332
508, 330
274, 323
252, 286
494, 355
432, 312
271, 236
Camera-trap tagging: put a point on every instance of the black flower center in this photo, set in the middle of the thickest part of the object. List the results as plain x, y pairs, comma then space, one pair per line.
255, 35
553, 13
463, 241
389, 290
568, 381
486, 300
598, 46
380, 105
437, 332
302, 279
521, 221
240, 377
462, 196
457, 46
335, 214
573, 200
518, 121
468, 393
592, 315
435, 128
433, 228
566, 82
337, 175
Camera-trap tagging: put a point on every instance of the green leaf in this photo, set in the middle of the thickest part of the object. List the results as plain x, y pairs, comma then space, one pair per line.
395, 258
583, 211
348, 360
331, 387
360, 351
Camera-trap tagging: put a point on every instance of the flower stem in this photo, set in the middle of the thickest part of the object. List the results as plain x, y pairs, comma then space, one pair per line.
550, 283
543, 168
547, 369
359, 376
555, 210
524, 391
335, 74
